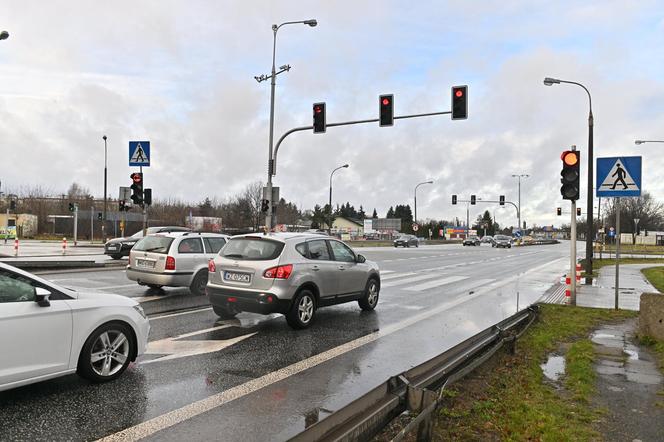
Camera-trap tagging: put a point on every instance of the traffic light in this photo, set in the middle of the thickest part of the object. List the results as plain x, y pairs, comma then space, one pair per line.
319, 118
12, 205
454, 199
578, 211
147, 197
265, 205
386, 107
559, 211
570, 175
472, 199
71, 207
122, 206
136, 188
100, 216
459, 102
502, 200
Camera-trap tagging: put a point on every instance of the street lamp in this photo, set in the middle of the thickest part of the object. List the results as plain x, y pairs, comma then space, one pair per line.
329, 217
591, 232
647, 141
273, 82
425, 182
4, 35
103, 225
518, 215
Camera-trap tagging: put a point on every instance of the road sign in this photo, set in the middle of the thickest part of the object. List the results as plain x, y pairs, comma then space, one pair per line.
139, 153
618, 176
517, 234
415, 227
125, 194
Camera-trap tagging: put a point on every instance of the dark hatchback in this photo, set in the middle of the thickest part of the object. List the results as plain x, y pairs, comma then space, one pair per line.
502, 241
406, 241
119, 247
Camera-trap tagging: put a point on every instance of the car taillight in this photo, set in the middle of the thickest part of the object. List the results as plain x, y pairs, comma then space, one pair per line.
170, 263
280, 272
211, 267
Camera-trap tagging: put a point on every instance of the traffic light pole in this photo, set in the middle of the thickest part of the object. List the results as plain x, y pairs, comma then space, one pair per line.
75, 223
617, 284
145, 210
572, 261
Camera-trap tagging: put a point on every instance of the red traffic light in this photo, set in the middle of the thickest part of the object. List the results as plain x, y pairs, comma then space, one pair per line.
569, 157
386, 101
318, 109
136, 177
459, 93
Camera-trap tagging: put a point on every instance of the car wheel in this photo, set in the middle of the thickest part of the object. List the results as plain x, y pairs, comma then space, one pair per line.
417, 245
302, 311
509, 247
116, 256
370, 298
223, 312
107, 352
197, 286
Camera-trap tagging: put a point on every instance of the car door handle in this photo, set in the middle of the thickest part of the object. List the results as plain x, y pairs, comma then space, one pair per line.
315, 268
342, 268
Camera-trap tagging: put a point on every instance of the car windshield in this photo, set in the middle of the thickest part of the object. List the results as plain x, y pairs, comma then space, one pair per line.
155, 244
502, 237
252, 249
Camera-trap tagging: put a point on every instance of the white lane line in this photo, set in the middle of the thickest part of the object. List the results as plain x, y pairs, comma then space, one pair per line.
436, 283
387, 260
382, 272
396, 275
188, 312
409, 280
172, 418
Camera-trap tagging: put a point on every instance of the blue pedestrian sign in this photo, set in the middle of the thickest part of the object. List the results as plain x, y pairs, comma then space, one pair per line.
139, 153
517, 233
618, 176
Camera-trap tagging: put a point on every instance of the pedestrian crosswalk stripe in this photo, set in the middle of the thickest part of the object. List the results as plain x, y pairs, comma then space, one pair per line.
436, 283
382, 272
409, 280
396, 275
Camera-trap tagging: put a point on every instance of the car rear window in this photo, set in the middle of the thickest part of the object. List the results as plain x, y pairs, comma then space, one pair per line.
252, 249
155, 244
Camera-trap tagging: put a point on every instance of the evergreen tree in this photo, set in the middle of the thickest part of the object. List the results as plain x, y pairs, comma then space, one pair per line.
375, 214
390, 213
361, 214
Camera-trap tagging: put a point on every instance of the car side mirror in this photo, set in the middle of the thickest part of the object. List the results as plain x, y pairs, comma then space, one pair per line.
360, 259
42, 297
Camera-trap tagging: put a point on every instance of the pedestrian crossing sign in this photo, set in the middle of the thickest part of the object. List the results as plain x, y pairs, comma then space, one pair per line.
618, 176
139, 153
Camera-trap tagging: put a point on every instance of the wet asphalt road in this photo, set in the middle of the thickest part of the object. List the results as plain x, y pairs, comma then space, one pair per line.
254, 378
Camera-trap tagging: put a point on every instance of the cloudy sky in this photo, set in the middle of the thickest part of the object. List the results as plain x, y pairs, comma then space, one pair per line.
181, 75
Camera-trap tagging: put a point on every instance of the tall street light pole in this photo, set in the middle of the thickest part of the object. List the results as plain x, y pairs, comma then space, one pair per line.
518, 215
589, 206
273, 82
425, 182
329, 216
103, 225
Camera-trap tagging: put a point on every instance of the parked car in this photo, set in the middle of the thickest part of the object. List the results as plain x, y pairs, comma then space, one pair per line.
487, 239
49, 331
119, 247
406, 241
289, 273
502, 241
471, 241
174, 259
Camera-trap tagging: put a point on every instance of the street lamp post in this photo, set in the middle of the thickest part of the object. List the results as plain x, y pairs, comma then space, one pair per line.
329, 217
273, 82
103, 224
591, 232
518, 215
424, 182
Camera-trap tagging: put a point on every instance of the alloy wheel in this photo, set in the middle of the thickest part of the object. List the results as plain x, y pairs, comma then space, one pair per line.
109, 352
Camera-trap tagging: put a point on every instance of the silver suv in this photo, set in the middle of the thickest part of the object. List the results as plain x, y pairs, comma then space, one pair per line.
289, 273
174, 259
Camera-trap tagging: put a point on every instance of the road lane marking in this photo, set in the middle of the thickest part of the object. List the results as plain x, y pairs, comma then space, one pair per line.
409, 280
397, 275
382, 272
188, 312
436, 283
177, 416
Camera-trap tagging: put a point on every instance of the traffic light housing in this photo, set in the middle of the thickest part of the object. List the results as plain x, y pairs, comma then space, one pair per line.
578, 211
454, 199
72, 207
100, 215
459, 102
122, 206
12, 205
502, 200
147, 197
472, 199
559, 211
319, 119
386, 110
136, 188
570, 174
265, 205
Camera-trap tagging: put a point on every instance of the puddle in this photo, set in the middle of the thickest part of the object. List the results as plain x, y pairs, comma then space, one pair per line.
554, 367
602, 336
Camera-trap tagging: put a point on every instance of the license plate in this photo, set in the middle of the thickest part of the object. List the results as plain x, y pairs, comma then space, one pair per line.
142, 263
113, 247
237, 277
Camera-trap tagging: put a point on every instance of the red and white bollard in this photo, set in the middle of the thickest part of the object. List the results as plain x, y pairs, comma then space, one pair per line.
16, 247
568, 290
64, 245
578, 272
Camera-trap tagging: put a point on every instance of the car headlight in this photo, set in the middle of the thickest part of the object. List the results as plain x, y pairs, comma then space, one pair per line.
140, 311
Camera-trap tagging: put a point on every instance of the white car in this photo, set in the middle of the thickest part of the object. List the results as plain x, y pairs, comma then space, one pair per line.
48, 331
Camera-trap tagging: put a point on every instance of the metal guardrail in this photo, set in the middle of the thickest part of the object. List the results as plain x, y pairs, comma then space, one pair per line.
415, 389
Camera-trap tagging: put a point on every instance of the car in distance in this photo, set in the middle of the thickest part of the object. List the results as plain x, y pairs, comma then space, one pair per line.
502, 241
471, 241
50, 331
289, 273
487, 239
119, 247
406, 241
174, 259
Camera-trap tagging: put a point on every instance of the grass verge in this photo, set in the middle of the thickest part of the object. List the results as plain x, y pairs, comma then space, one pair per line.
509, 399
655, 276
599, 263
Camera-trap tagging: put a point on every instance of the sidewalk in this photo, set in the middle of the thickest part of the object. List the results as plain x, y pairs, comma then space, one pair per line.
32, 248
602, 293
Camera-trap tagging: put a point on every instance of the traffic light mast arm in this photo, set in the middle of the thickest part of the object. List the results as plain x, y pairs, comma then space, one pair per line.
493, 201
344, 123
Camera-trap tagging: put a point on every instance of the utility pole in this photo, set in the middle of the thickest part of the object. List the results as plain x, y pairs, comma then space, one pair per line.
103, 223
617, 283
75, 223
